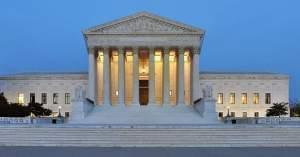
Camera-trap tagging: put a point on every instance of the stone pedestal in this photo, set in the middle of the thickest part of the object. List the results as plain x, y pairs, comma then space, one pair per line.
207, 109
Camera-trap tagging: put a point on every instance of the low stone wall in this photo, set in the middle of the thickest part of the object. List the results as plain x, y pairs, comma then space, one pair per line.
15, 120
265, 120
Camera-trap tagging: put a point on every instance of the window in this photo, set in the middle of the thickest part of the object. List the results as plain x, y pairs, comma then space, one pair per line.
232, 114
21, 98
244, 114
44, 98
221, 114
268, 98
255, 98
67, 98
220, 98
244, 98
32, 97
55, 98
67, 114
256, 114
232, 98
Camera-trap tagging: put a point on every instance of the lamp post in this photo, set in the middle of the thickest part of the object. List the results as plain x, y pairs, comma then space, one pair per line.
228, 108
59, 108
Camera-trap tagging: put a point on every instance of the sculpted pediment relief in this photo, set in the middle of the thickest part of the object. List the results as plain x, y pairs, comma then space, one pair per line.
143, 23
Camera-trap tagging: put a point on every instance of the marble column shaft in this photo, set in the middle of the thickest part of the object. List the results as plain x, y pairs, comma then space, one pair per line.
181, 76
92, 75
106, 66
135, 76
166, 77
151, 76
121, 78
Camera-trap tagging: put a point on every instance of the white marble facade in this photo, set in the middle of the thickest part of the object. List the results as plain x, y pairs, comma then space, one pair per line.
156, 59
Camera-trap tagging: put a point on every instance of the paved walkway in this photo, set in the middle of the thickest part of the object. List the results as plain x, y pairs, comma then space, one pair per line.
145, 152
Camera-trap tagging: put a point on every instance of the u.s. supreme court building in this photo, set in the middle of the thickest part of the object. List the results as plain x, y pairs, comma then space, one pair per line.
145, 69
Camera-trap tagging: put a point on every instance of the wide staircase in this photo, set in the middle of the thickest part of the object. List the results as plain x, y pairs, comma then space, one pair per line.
151, 114
147, 136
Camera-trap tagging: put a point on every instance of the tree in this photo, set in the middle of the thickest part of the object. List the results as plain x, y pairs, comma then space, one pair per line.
19, 110
278, 109
38, 110
296, 110
3, 100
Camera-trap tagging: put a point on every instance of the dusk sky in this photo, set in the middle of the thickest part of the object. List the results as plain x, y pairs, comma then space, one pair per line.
248, 35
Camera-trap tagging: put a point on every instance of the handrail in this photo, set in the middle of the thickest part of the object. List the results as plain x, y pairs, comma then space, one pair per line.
198, 100
90, 101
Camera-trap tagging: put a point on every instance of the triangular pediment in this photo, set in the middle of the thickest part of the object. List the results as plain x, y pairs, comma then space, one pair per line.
143, 23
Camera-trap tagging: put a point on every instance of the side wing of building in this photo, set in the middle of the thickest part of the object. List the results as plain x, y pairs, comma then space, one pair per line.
246, 94
52, 89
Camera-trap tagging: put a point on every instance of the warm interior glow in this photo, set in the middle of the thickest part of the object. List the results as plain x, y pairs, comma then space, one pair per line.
157, 56
21, 98
186, 56
115, 56
244, 98
100, 56
117, 93
129, 56
172, 56
232, 98
220, 98
170, 92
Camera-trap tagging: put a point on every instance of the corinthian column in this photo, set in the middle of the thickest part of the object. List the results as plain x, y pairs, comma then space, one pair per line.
151, 76
106, 74
135, 76
92, 76
181, 76
196, 81
121, 78
166, 73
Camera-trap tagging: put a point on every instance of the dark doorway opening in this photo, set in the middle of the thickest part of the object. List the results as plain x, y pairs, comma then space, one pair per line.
144, 92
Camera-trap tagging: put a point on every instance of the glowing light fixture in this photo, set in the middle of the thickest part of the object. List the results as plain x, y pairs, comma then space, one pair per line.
157, 56
100, 56
117, 93
170, 93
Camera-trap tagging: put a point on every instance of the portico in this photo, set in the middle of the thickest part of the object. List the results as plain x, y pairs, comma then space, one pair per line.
143, 59
141, 75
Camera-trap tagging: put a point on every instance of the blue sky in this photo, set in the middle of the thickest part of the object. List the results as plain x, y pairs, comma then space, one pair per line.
249, 35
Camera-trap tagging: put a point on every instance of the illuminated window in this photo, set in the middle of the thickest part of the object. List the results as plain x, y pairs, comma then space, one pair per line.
255, 98
268, 98
21, 98
232, 98
67, 98
55, 98
244, 98
220, 98
44, 98
157, 56
32, 97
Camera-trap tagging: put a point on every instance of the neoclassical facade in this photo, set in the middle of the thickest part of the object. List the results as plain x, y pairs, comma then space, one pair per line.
143, 59
144, 69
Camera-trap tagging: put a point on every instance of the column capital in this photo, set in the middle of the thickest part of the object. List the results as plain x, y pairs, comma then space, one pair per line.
91, 50
196, 50
181, 50
166, 49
